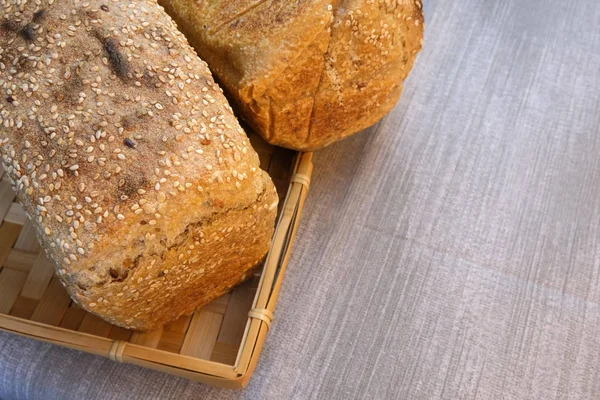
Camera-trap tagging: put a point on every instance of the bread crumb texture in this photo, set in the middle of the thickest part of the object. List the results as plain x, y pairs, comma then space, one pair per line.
306, 73
142, 186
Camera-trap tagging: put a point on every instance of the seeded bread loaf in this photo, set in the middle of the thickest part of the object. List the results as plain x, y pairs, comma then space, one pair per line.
143, 188
306, 73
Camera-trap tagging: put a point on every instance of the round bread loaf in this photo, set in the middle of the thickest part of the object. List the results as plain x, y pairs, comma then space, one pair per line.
143, 188
306, 73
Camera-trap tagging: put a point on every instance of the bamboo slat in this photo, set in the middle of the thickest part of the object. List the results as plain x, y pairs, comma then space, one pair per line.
11, 282
24, 307
53, 304
16, 214
6, 196
147, 339
8, 234
39, 277
72, 318
27, 240
94, 326
202, 334
20, 260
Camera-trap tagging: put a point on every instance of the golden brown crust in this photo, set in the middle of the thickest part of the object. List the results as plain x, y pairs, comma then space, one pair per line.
309, 72
208, 258
125, 152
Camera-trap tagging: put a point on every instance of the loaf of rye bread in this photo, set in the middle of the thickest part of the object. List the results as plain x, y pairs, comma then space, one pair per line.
305, 73
125, 154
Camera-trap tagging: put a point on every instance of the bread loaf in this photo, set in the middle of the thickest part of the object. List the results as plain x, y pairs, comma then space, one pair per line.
306, 73
142, 186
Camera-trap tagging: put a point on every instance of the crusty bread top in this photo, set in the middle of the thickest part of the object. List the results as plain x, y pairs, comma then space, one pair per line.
114, 132
307, 72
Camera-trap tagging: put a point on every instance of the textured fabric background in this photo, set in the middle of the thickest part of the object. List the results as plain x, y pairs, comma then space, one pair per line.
451, 252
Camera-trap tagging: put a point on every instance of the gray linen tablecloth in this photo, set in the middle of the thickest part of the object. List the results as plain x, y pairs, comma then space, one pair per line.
452, 251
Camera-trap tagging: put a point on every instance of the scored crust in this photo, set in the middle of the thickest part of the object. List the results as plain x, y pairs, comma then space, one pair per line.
309, 72
142, 186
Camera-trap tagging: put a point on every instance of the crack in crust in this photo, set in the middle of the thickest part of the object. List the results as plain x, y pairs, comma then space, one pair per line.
336, 7
233, 20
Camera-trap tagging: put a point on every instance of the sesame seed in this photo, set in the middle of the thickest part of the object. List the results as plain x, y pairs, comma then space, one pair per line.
121, 217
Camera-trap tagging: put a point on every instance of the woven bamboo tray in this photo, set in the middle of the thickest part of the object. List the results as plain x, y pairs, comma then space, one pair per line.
219, 344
